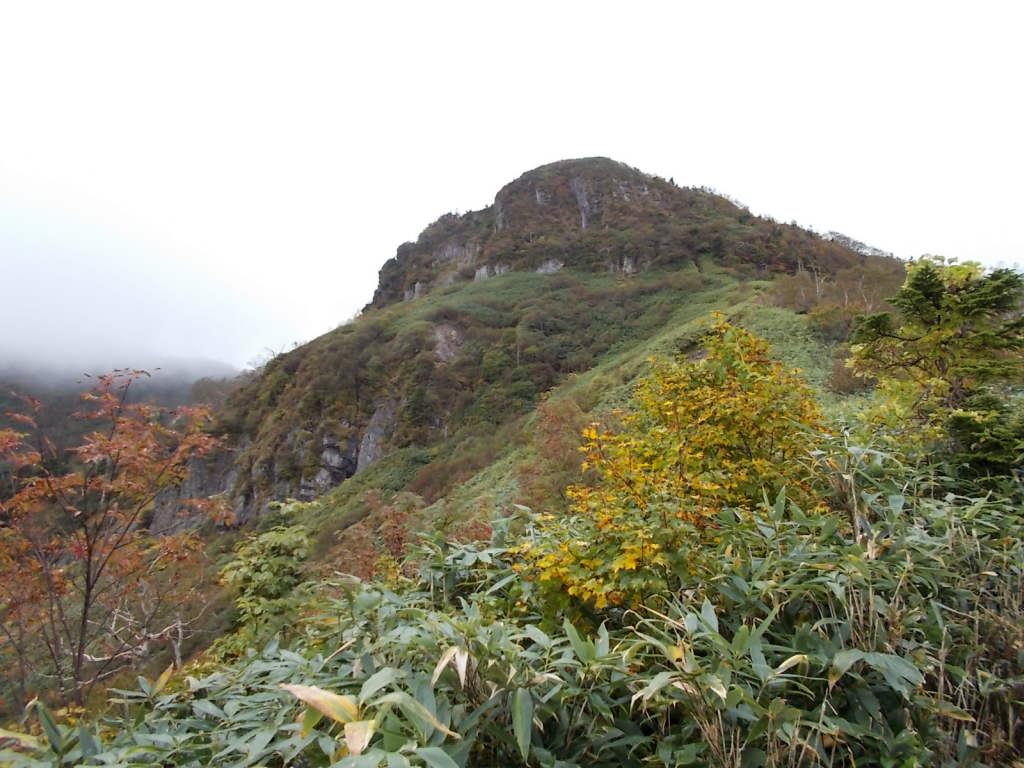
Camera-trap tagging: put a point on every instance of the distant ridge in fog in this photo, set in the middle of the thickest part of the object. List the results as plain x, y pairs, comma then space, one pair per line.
75, 374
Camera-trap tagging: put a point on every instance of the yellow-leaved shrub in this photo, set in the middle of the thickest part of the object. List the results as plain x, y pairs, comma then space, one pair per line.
703, 435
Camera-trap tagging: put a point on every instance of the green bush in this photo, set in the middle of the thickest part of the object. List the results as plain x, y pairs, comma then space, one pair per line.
266, 571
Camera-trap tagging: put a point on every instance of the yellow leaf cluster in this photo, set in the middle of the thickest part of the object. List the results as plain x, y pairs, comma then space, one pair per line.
702, 436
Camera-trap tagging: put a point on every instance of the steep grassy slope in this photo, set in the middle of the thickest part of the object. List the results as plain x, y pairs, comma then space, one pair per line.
441, 367
531, 455
577, 265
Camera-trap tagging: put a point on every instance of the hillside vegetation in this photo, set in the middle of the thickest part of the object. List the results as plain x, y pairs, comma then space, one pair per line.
575, 263
697, 511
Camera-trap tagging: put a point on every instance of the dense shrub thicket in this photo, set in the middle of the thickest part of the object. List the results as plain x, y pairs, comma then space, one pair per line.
791, 642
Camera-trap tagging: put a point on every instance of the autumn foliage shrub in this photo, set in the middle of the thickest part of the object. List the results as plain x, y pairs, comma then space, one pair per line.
703, 436
556, 438
843, 380
89, 585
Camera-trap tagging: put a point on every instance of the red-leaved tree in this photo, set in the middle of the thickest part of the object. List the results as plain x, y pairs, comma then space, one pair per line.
87, 586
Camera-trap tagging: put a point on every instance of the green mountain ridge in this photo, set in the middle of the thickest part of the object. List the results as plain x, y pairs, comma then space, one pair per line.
577, 267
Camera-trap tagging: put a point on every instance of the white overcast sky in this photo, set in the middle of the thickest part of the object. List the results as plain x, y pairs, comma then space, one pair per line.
212, 179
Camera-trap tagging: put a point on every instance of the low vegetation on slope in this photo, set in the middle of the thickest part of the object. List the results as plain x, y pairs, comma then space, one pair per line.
443, 368
574, 263
807, 590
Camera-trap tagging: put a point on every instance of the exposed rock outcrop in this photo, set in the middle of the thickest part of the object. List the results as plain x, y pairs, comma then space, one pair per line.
208, 476
372, 447
567, 213
447, 340
338, 462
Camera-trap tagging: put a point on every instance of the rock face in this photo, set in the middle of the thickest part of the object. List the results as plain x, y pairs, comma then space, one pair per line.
338, 462
559, 214
448, 339
382, 424
593, 214
207, 477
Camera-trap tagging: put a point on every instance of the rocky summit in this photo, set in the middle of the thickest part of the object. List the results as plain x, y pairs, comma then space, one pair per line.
593, 214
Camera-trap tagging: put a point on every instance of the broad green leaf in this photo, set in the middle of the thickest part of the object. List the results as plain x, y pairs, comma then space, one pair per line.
425, 695
758, 661
369, 760
415, 711
260, 741
584, 649
52, 731
271, 650
753, 758
310, 720
205, 707
368, 600
603, 642
340, 708
715, 684
763, 626
658, 682
535, 634
161, 682
495, 587
829, 528
88, 743
378, 680
735, 697
901, 667
841, 662
758, 728
293, 657
522, 720
869, 703
778, 509
392, 730
326, 743
899, 673
946, 709
740, 640
835, 725
436, 757
707, 612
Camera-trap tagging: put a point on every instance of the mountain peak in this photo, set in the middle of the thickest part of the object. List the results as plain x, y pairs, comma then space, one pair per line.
591, 214
586, 189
